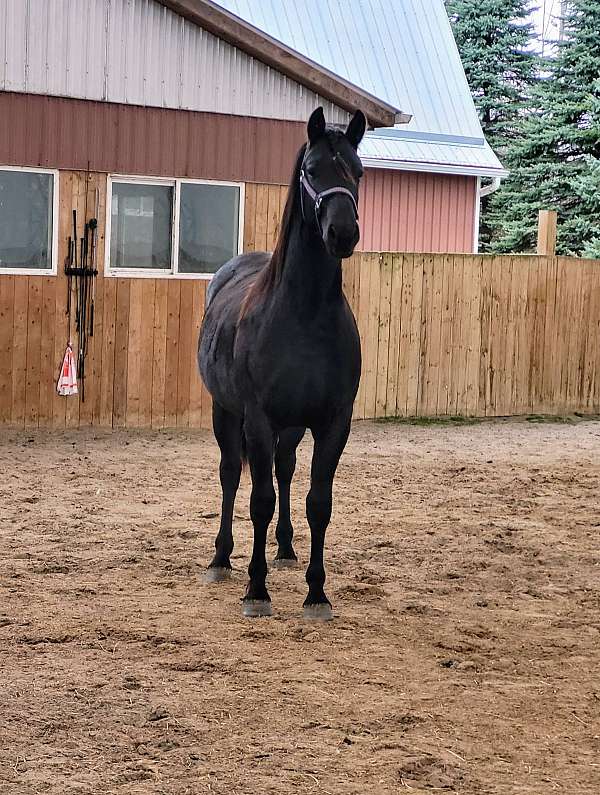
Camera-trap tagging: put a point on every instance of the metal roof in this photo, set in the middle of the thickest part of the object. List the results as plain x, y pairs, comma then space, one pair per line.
420, 153
401, 51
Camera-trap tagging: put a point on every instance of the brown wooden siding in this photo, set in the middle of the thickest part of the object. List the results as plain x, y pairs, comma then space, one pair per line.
410, 211
72, 134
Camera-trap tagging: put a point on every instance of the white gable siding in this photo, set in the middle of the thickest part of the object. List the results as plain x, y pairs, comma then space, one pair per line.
138, 52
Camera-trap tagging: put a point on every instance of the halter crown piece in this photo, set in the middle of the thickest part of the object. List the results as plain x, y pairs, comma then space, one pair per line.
318, 197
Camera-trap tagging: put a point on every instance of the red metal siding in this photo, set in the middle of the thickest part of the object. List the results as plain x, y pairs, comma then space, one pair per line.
53, 132
412, 211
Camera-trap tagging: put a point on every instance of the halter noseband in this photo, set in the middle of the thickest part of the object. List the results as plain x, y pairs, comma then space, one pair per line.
318, 197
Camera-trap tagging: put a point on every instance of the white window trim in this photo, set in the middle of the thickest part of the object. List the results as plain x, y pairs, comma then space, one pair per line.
175, 183
53, 269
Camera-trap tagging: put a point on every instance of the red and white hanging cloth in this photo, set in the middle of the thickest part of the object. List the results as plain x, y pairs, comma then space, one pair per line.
67, 380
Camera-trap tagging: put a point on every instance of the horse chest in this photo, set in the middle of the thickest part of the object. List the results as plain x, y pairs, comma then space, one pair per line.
313, 373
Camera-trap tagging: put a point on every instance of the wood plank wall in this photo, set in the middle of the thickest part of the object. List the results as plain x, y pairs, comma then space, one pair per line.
141, 366
476, 335
441, 334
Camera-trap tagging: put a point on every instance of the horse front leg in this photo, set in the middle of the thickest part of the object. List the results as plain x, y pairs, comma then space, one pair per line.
329, 445
259, 440
285, 464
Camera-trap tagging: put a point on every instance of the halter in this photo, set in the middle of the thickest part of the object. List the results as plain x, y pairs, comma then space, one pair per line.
318, 197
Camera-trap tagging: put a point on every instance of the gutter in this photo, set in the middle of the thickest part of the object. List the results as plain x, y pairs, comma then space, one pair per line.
491, 188
487, 190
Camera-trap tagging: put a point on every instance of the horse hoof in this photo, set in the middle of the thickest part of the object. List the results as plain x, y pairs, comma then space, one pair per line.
255, 608
285, 563
217, 574
318, 612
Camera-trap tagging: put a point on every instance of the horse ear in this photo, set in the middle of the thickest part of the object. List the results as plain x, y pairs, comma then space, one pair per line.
316, 125
356, 128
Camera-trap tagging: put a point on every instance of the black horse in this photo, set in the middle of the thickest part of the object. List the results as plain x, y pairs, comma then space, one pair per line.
279, 352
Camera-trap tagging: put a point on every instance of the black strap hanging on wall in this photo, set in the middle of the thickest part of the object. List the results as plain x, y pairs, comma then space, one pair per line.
84, 274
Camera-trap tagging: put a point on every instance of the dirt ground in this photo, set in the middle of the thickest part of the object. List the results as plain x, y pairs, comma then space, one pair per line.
464, 657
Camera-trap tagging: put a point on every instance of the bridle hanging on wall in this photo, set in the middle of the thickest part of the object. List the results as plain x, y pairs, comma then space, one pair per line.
84, 272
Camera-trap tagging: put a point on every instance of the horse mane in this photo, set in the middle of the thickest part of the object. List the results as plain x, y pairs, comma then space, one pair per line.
270, 276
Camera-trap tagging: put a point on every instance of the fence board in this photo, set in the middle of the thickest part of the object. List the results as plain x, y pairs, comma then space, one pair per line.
472, 283
383, 341
372, 336
414, 349
404, 341
365, 264
395, 329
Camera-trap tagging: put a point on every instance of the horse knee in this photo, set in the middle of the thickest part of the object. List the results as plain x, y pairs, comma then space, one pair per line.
230, 472
262, 505
318, 505
284, 467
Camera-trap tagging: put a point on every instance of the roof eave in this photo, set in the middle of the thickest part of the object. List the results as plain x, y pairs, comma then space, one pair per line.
434, 168
259, 45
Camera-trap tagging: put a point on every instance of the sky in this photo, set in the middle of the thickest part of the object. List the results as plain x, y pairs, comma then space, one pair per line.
544, 19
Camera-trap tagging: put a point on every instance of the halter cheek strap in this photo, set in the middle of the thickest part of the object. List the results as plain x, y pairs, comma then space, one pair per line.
318, 197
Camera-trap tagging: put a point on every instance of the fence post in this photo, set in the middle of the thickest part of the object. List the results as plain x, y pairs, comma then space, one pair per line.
546, 241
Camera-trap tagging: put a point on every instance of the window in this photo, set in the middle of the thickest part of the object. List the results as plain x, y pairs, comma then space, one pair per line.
175, 227
141, 226
28, 218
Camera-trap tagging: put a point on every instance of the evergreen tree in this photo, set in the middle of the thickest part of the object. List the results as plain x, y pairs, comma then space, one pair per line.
492, 38
558, 158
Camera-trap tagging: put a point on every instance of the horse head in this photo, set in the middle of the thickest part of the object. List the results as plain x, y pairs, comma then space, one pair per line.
329, 180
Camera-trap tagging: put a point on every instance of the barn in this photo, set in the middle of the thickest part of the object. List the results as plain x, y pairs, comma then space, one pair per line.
175, 124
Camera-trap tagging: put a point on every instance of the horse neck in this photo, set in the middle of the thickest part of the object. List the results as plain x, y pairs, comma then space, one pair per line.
311, 278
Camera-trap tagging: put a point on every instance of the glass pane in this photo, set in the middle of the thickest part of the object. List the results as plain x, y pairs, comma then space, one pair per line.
140, 227
25, 219
208, 226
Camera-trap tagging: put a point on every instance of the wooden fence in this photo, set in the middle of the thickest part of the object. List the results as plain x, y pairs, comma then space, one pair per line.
476, 335
441, 334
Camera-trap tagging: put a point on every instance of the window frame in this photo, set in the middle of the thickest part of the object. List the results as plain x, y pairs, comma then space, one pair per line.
53, 269
175, 183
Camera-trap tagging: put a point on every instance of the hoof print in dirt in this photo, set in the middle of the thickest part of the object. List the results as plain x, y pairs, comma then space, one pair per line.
159, 713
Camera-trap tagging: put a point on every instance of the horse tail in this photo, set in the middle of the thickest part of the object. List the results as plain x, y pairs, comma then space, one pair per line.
244, 451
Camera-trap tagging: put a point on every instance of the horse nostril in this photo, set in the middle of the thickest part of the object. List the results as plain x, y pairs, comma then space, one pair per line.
331, 232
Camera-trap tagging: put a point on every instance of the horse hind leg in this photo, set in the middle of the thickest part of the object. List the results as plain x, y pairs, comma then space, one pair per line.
228, 433
285, 464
